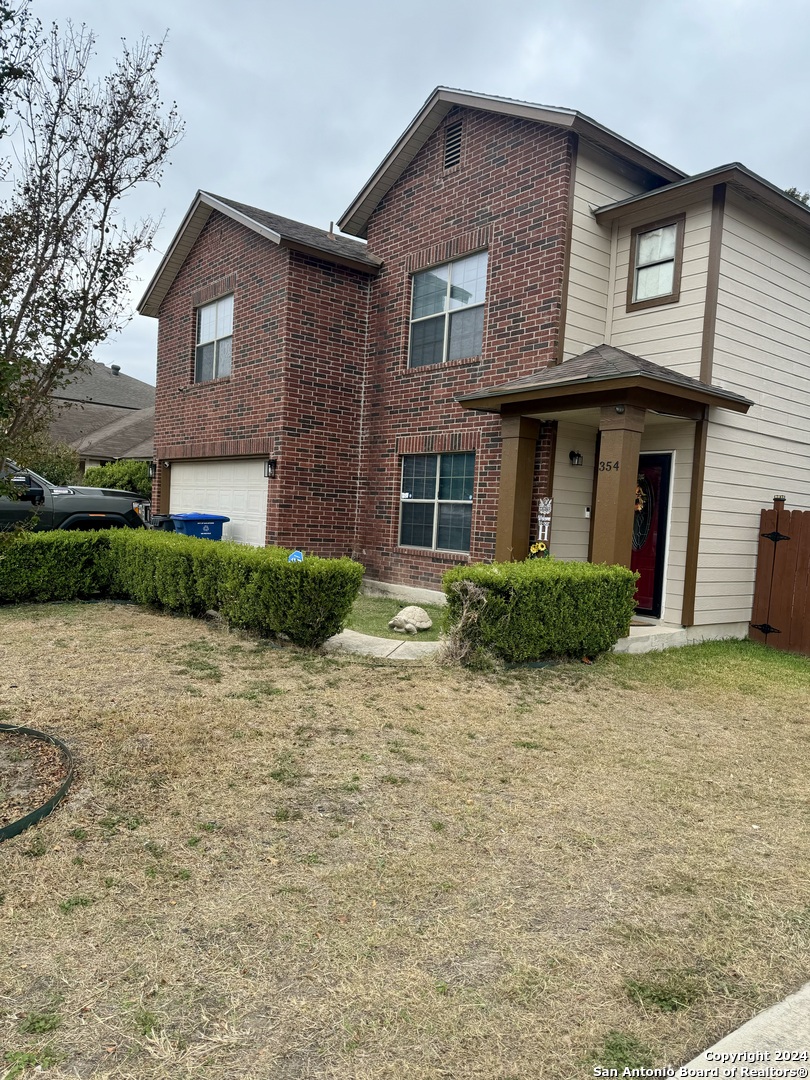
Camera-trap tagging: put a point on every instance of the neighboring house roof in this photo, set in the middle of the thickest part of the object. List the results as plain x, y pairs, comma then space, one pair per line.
735, 175
104, 385
129, 436
285, 232
594, 372
438, 105
105, 414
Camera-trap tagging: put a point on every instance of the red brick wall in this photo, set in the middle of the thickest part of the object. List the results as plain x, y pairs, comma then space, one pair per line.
318, 480
296, 383
241, 413
509, 195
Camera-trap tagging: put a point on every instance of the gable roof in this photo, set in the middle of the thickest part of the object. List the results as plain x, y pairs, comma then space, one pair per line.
355, 219
590, 375
736, 176
285, 232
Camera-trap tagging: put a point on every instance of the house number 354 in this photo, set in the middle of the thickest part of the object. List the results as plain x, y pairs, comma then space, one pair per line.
608, 466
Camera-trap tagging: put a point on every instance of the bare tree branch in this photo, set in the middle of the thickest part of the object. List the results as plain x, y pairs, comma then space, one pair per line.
66, 255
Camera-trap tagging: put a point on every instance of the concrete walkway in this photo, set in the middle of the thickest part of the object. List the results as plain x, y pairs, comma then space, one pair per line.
763, 1046
642, 639
409, 648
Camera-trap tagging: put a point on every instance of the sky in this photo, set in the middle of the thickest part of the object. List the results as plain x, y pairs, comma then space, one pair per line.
292, 106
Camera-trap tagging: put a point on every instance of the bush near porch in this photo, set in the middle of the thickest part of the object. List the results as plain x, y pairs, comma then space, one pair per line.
527, 611
253, 588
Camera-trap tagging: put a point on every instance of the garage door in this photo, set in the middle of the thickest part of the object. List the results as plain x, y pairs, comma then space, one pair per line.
235, 487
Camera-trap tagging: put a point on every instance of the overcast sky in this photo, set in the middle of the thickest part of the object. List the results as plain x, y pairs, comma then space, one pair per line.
291, 106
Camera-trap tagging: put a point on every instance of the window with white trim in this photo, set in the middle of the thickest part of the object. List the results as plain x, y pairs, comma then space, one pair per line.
656, 254
436, 501
214, 340
447, 311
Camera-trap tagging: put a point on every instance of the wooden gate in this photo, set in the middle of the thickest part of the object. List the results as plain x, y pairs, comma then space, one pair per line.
781, 613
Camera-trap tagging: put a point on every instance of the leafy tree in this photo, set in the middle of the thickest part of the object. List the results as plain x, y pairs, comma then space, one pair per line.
800, 196
56, 461
80, 146
124, 475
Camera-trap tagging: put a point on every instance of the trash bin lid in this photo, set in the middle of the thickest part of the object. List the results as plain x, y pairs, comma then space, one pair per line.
195, 515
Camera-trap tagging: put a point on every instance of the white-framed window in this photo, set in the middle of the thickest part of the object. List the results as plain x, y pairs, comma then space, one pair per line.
214, 340
436, 501
656, 254
447, 311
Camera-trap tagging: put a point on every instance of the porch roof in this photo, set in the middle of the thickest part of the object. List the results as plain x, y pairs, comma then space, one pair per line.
606, 375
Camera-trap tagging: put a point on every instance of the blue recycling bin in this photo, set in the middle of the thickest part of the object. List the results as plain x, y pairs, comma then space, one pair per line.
203, 526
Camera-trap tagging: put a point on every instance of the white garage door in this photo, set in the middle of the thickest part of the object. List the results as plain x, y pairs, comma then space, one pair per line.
234, 487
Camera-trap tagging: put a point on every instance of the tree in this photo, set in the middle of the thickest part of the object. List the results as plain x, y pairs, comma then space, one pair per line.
66, 256
124, 475
799, 196
56, 461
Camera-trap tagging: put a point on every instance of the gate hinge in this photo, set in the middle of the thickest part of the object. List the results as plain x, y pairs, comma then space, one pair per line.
775, 536
765, 627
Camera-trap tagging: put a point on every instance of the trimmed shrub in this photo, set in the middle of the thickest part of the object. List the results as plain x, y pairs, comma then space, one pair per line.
253, 588
53, 566
121, 475
526, 611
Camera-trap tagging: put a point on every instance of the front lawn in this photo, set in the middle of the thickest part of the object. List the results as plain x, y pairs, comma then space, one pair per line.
279, 864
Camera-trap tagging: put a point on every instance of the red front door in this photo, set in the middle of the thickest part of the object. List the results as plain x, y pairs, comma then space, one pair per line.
650, 531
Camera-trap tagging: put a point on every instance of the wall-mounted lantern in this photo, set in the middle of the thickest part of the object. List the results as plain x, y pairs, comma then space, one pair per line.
270, 468
575, 458
152, 470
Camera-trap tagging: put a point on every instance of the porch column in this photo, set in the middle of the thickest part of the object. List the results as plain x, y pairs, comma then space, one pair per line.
519, 435
616, 478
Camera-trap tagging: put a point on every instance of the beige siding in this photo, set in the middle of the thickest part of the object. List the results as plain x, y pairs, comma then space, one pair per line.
762, 350
572, 491
672, 334
599, 180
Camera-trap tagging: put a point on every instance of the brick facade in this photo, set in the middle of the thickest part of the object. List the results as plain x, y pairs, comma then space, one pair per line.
320, 376
509, 195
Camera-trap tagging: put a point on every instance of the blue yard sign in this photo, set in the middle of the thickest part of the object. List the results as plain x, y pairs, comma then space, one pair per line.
297, 556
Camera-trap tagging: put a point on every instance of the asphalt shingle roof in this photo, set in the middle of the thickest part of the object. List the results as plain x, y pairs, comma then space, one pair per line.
299, 233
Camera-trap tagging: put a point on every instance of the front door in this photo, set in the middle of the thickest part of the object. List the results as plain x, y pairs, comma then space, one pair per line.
650, 531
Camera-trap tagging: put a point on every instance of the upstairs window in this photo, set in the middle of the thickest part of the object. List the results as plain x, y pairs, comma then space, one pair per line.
656, 254
214, 340
436, 501
447, 311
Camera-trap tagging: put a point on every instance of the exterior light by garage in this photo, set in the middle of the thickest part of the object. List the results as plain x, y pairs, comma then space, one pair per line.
270, 468
575, 458
152, 470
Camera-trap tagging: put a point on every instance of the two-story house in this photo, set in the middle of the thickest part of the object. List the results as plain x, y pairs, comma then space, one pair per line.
533, 308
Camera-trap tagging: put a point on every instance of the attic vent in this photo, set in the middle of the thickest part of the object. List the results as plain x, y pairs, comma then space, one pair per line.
452, 144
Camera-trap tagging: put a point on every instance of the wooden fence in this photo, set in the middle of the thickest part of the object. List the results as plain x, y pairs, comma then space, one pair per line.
781, 612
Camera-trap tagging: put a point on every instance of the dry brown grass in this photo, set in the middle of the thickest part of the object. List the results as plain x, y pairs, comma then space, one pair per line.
282, 865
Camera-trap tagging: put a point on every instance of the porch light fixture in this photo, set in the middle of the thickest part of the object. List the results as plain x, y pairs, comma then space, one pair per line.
152, 470
270, 468
575, 458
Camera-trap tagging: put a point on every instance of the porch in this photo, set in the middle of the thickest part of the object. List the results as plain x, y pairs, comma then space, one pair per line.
627, 472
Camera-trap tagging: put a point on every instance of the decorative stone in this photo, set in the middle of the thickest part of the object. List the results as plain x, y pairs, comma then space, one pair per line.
411, 619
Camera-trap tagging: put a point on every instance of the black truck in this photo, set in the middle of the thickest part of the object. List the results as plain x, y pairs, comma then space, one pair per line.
30, 500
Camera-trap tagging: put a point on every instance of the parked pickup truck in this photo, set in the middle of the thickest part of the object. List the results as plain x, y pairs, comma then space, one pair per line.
28, 498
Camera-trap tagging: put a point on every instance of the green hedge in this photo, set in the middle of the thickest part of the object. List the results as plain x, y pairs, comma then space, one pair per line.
542, 608
37, 567
253, 588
